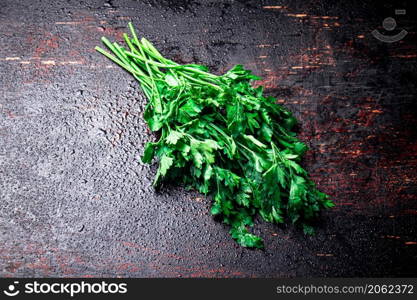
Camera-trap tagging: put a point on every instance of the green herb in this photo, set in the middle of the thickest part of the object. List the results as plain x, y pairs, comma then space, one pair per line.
221, 136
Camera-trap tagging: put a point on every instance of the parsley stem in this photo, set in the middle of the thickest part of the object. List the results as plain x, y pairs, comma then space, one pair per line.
117, 61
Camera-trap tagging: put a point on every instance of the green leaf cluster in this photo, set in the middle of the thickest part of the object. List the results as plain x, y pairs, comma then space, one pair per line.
223, 137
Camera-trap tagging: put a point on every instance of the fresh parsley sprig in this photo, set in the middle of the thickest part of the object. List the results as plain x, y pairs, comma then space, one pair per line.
223, 137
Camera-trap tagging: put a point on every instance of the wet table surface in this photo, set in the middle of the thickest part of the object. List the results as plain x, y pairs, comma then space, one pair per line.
76, 200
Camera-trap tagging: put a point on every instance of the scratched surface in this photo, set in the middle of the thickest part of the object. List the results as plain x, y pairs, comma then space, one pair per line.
76, 201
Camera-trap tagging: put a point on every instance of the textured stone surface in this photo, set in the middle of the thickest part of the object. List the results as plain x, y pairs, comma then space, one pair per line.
76, 201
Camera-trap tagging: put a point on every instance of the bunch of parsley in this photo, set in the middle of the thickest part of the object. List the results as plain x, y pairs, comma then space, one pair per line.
221, 136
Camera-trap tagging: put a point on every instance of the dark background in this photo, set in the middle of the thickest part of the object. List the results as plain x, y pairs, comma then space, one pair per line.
76, 201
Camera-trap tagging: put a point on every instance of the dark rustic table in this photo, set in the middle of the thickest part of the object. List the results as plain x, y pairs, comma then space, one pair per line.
76, 201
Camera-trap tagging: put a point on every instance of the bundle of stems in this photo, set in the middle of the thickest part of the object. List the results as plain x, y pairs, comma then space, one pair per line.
221, 136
